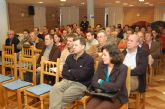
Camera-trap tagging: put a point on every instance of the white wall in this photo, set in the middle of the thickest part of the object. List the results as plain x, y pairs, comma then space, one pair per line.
69, 15
3, 22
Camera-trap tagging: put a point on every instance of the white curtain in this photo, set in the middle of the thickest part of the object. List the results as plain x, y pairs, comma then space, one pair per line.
40, 16
69, 15
158, 13
3, 22
115, 15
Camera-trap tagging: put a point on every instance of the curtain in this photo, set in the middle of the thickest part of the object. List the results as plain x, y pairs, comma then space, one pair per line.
3, 22
40, 16
69, 15
115, 15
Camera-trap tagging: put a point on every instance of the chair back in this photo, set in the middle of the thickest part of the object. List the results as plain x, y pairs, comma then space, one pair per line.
27, 64
9, 61
27, 52
50, 68
128, 80
8, 49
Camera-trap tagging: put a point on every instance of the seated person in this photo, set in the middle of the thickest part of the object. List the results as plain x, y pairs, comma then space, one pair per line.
50, 52
136, 58
12, 39
90, 40
96, 50
77, 74
110, 77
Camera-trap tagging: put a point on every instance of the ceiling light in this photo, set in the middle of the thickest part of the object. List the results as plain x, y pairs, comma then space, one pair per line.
131, 5
40, 2
146, 3
117, 1
63, 0
151, 5
82, 3
141, 0
125, 3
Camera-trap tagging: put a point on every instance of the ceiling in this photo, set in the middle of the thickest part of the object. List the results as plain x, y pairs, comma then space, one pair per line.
97, 3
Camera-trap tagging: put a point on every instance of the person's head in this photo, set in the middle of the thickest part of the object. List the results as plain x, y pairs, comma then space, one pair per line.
112, 55
70, 39
79, 45
102, 37
143, 29
52, 31
56, 38
48, 40
45, 30
64, 32
10, 34
141, 37
98, 27
78, 30
148, 37
90, 36
33, 36
85, 18
108, 31
129, 32
26, 33
149, 29
36, 30
132, 42
137, 29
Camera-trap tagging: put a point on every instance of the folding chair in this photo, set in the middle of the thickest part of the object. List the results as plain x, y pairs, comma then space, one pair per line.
42, 91
18, 86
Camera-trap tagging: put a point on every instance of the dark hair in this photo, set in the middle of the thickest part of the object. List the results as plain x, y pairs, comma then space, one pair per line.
71, 36
81, 39
115, 53
26, 30
37, 28
50, 36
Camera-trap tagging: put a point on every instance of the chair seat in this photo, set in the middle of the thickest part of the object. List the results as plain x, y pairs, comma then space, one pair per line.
40, 89
16, 84
4, 78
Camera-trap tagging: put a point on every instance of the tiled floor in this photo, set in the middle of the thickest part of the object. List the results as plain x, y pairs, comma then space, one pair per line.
155, 96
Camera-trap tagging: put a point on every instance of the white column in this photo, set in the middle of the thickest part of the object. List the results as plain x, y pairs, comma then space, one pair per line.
40, 17
4, 25
90, 12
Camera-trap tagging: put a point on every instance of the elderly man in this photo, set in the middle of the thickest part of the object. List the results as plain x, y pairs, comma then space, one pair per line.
12, 39
77, 74
137, 60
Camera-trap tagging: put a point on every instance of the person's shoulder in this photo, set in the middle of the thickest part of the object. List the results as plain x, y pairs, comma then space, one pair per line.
89, 57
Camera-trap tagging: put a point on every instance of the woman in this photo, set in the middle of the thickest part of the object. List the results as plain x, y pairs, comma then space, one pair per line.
110, 77
58, 42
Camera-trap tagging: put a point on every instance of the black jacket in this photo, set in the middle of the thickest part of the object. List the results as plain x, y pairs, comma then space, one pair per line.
80, 70
117, 80
140, 70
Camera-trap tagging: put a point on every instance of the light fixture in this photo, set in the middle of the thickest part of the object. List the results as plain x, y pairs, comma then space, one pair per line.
125, 4
117, 1
151, 5
131, 5
82, 3
40, 2
141, 0
63, 0
146, 3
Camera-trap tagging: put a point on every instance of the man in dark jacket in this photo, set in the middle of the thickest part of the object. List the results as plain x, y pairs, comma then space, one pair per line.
12, 39
136, 58
77, 74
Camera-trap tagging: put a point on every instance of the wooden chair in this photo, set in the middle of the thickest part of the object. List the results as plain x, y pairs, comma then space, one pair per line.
8, 61
42, 91
27, 52
18, 86
8, 49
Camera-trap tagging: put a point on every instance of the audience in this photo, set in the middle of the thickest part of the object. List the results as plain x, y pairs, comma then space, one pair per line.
90, 40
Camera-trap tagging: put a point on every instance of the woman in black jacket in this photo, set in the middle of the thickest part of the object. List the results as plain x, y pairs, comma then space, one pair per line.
110, 77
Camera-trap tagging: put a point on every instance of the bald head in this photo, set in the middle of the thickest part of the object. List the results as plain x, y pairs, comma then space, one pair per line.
133, 42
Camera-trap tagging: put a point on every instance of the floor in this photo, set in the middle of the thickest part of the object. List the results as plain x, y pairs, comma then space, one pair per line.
155, 95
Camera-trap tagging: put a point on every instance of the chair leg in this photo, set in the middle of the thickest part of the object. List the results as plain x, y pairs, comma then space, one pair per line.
25, 100
137, 101
19, 99
42, 103
5, 98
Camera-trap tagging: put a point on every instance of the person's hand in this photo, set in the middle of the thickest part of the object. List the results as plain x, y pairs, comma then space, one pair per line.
38, 69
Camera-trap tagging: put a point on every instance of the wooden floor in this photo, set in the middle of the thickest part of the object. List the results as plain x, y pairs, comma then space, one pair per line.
155, 96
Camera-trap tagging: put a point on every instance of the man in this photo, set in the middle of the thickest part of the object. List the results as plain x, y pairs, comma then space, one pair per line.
67, 50
90, 40
96, 50
142, 43
35, 41
136, 59
77, 74
12, 39
84, 24
50, 52
37, 32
